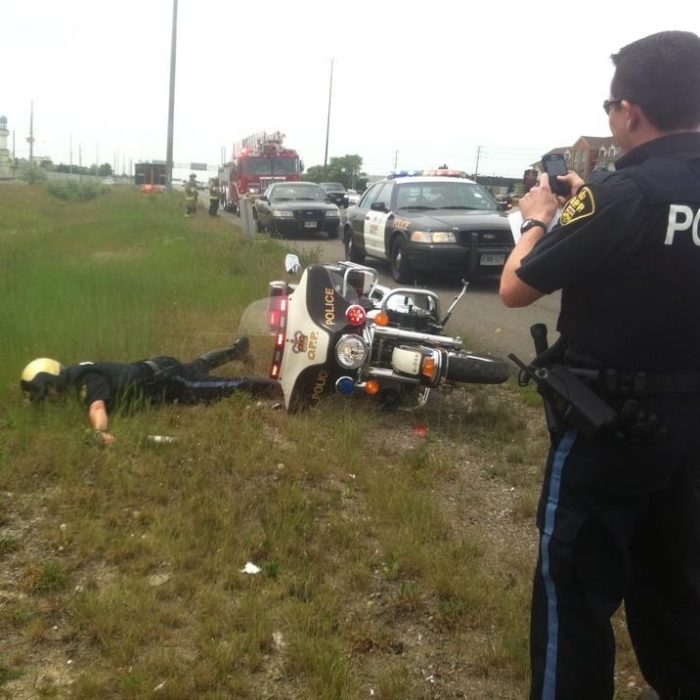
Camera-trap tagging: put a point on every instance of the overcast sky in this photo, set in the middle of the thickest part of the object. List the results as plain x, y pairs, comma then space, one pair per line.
416, 83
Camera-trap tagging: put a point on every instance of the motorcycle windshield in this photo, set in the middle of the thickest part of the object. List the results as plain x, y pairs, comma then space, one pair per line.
293, 334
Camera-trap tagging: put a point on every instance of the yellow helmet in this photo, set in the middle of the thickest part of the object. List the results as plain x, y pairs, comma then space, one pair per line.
39, 375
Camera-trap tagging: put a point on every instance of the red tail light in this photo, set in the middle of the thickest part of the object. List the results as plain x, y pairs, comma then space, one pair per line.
277, 320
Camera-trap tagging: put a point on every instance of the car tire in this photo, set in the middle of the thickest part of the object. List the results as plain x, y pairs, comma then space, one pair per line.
401, 270
333, 233
352, 252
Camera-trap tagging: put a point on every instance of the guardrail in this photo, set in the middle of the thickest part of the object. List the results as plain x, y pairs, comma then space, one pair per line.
245, 207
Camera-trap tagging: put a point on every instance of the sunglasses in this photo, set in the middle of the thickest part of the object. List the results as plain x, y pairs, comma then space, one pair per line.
609, 104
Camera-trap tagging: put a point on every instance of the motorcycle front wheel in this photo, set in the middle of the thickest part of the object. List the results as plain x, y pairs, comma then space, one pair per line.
470, 368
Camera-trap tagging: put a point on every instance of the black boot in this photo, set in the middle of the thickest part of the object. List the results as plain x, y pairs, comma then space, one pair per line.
216, 358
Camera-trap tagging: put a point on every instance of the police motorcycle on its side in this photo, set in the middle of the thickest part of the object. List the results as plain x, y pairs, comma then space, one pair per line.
338, 330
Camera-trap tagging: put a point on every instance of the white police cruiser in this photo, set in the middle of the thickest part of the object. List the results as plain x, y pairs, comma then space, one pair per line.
429, 220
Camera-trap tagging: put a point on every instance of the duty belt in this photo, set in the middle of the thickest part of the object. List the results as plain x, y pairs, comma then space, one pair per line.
614, 382
162, 367
154, 366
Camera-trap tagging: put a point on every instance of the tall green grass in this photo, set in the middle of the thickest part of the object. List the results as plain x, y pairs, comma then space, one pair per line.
120, 277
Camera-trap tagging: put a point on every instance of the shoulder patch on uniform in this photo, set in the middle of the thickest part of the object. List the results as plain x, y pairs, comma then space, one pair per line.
581, 205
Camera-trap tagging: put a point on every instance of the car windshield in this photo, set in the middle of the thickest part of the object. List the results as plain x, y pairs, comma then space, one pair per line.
444, 195
297, 191
333, 186
269, 166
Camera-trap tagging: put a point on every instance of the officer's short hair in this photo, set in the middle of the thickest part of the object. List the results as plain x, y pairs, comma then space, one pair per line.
661, 73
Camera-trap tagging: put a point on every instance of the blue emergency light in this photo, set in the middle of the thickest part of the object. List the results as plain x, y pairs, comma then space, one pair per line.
345, 385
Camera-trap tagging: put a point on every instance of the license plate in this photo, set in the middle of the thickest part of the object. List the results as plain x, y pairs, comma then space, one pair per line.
310, 224
493, 259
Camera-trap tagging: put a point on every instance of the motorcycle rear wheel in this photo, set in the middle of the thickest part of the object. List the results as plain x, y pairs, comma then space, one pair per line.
471, 368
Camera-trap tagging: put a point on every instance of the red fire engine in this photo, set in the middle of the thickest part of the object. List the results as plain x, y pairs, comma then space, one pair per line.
258, 161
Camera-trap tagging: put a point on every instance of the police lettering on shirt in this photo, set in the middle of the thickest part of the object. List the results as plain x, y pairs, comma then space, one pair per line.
682, 218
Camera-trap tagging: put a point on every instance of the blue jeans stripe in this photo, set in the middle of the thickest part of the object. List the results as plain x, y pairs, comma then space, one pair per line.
549, 689
213, 383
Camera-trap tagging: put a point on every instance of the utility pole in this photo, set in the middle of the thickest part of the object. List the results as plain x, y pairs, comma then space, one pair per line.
476, 168
328, 120
171, 103
396, 159
30, 138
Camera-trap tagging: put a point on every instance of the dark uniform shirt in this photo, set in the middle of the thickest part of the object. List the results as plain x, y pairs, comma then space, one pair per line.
115, 384
626, 253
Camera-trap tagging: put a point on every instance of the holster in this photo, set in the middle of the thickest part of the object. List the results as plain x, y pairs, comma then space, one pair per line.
574, 402
568, 401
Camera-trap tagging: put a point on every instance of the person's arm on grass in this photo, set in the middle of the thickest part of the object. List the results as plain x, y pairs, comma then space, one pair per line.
97, 413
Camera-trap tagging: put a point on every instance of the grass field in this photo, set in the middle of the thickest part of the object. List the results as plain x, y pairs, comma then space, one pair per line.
394, 563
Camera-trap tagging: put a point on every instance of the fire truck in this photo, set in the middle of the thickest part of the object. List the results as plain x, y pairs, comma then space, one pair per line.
258, 161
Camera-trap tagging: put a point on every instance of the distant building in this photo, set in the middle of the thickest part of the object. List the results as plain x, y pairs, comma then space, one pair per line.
589, 153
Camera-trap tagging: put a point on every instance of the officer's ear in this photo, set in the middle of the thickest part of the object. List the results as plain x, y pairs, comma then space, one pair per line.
632, 115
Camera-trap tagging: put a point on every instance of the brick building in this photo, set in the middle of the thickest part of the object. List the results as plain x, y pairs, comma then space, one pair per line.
589, 153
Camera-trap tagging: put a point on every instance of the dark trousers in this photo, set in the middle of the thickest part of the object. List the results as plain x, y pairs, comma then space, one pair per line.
620, 522
190, 382
213, 207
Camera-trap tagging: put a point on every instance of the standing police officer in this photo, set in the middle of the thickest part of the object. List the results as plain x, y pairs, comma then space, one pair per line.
619, 516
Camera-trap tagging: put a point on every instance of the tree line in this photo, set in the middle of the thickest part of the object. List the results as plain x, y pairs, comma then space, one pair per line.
346, 169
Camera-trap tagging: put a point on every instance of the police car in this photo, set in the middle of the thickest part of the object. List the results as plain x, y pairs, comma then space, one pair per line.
429, 220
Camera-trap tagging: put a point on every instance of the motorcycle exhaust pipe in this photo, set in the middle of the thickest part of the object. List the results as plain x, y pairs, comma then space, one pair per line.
416, 337
388, 374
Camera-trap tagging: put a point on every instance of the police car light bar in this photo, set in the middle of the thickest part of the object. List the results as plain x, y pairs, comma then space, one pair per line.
438, 172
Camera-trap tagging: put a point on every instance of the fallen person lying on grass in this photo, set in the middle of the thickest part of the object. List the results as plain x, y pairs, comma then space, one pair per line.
106, 386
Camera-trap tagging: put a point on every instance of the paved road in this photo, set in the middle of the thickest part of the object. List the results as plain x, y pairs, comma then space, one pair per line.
480, 317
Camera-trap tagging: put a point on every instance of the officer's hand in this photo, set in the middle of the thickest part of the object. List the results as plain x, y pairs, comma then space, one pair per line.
574, 181
102, 437
99, 437
540, 202
108, 438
